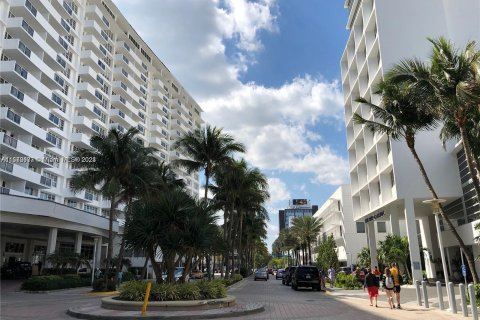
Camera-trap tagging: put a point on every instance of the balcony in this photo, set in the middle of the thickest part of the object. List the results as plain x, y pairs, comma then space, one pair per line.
87, 91
18, 28
21, 103
15, 148
158, 143
90, 58
26, 10
80, 196
81, 140
12, 172
94, 12
158, 84
87, 108
92, 43
125, 48
92, 27
123, 75
121, 103
120, 117
83, 124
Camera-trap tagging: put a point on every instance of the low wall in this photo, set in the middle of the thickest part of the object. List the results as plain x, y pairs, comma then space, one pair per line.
112, 303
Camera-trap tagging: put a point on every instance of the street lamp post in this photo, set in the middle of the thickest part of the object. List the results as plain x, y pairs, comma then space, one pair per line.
436, 211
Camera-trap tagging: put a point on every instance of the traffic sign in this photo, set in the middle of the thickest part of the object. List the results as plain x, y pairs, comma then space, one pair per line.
464, 270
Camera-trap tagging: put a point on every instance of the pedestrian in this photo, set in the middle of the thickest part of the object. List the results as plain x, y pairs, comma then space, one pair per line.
119, 278
331, 276
39, 267
376, 272
397, 281
372, 284
388, 284
322, 280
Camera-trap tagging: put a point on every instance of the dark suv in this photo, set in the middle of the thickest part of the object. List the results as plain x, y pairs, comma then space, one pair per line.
287, 275
306, 276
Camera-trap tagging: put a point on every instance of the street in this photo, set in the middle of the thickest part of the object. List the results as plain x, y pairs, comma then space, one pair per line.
281, 302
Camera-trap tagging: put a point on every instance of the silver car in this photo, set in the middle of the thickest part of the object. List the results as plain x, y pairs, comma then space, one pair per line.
279, 274
261, 274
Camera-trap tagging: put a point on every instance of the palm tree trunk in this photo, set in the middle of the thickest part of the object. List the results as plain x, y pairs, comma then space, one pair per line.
110, 240
207, 178
445, 218
470, 161
240, 260
309, 252
156, 268
144, 270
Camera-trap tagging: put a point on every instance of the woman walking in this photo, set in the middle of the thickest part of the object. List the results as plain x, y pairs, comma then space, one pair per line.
388, 285
372, 284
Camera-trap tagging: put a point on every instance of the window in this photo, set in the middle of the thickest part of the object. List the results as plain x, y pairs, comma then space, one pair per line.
24, 49
56, 99
61, 61
360, 227
90, 208
59, 80
47, 196
381, 227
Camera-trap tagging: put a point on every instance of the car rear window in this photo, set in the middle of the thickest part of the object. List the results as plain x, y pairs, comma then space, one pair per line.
305, 270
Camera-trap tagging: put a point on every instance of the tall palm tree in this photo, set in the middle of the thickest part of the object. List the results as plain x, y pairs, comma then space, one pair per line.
114, 162
307, 229
453, 81
206, 149
402, 115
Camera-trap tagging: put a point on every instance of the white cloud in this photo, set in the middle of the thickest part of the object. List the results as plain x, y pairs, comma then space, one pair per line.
278, 190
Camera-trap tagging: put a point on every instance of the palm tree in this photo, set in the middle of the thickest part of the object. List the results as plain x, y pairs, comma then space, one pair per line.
206, 149
307, 229
114, 161
402, 115
453, 82
395, 248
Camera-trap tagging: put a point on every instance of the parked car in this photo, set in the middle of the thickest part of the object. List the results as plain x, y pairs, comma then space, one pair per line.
261, 274
270, 271
346, 270
16, 270
279, 274
197, 274
177, 275
287, 275
306, 276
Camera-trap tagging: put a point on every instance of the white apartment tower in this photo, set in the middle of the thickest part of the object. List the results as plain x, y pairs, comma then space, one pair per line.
386, 184
70, 70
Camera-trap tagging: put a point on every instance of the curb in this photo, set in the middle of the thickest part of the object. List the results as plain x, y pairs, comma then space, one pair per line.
229, 313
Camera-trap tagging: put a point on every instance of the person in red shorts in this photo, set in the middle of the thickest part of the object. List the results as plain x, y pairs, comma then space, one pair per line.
372, 283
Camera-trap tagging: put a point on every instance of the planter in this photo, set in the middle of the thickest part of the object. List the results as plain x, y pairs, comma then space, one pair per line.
112, 303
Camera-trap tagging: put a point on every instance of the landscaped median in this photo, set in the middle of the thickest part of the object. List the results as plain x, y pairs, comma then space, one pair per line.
45, 283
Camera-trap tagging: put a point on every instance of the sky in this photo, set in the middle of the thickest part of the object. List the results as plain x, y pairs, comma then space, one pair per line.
268, 73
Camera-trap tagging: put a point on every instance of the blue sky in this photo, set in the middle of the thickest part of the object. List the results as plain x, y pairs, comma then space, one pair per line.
268, 72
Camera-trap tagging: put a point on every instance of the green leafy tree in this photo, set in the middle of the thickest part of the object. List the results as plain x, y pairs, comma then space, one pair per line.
395, 248
327, 253
363, 257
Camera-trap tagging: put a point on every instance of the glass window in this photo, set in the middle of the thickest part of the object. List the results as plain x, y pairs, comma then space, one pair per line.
381, 227
360, 227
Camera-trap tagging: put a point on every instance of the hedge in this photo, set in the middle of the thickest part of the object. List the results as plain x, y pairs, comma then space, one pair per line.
347, 281
235, 278
135, 291
44, 283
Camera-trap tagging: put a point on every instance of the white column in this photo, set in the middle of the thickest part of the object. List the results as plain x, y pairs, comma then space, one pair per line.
52, 240
78, 242
412, 235
394, 214
99, 252
425, 233
372, 243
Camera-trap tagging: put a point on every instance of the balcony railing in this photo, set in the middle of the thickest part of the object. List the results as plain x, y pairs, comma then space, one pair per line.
4, 190
31, 8
10, 141
6, 166
13, 116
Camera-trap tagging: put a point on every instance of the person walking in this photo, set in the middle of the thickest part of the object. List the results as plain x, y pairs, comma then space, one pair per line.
387, 281
372, 284
396, 282
331, 276
376, 272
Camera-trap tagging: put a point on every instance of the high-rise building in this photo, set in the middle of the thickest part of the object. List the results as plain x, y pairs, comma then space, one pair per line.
70, 70
386, 184
296, 208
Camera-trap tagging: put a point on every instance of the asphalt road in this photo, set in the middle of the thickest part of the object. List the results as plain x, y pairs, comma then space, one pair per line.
281, 302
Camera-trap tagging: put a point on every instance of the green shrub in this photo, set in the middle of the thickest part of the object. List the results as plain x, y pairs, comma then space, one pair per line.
99, 285
347, 281
235, 278
135, 291
59, 271
44, 283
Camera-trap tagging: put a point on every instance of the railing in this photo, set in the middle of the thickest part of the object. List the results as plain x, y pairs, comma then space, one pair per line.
17, 93
22, 47
6, 166
11, 141
27, 28
31, 8
4, 190
13, 116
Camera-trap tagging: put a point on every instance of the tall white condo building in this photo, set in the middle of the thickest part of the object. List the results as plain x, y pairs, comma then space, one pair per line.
386, 184
70, 70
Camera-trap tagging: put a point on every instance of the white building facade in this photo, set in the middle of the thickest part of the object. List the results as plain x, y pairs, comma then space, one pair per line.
386, 184
70, 70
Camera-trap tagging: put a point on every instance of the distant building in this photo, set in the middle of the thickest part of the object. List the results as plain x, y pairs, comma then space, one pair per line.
296, 208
